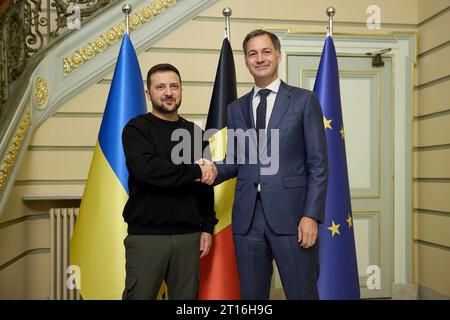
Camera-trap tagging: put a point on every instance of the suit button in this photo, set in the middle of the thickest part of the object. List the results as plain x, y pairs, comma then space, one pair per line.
255, 184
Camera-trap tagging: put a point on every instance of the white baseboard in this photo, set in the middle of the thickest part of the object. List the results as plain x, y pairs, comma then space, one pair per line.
405, 291
425, 293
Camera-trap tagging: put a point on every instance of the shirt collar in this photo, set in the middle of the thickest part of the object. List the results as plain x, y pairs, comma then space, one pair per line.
274, 86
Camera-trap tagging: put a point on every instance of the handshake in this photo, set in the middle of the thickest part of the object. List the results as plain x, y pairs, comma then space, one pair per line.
209, 171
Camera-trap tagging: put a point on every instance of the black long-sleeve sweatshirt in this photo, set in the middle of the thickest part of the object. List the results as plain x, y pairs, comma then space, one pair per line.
164, 197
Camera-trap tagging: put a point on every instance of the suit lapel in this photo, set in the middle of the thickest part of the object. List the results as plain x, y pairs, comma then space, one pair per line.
248, 107
280, 107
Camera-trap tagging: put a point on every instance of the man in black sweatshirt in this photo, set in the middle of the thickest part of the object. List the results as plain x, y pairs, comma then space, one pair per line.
170, 214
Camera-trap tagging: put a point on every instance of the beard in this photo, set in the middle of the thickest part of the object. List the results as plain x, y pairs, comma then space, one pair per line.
159, 106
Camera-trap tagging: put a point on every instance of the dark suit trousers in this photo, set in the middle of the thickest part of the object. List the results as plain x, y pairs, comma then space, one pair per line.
255, 251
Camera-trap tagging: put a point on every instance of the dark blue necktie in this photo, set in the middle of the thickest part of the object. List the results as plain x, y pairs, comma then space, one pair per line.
261, 112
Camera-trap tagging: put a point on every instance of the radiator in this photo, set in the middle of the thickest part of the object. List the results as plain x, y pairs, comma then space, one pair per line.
62, 222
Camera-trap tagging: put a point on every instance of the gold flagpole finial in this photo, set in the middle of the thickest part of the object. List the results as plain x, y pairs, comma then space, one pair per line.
330, 13
227, 14
126, 9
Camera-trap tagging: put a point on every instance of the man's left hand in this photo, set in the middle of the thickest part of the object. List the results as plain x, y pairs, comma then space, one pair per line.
205, 243
307, 232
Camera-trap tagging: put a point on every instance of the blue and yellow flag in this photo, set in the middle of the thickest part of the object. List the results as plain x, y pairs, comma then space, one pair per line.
97, 243
338, 278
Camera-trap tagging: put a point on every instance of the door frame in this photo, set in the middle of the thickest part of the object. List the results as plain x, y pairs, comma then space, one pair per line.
404, 54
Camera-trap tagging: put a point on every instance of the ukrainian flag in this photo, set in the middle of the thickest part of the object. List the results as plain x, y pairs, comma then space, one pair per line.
97, 243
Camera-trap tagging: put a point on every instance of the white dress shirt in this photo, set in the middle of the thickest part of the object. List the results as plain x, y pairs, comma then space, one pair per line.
274, 86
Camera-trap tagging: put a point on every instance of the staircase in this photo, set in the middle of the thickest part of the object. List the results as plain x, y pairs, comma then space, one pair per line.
52, 50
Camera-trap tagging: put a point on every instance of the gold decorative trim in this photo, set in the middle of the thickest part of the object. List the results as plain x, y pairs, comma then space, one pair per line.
10, 158
41, 92
91, 49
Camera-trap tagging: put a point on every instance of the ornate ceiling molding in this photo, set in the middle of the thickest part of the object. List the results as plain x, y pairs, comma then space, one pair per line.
94, 47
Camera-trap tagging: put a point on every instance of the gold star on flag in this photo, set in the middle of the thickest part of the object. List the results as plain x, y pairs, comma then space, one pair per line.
327, 123
334, 228
342, 132
350, 221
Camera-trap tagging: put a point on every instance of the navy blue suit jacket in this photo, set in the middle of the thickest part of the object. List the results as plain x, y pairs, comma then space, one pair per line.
299, 185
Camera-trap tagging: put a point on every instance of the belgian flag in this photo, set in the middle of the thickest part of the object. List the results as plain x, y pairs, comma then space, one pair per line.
219, 275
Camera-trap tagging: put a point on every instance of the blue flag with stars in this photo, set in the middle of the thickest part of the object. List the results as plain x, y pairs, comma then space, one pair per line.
338, 277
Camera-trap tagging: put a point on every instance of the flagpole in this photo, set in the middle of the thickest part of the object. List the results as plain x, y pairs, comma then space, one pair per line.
338, 262
220, 276
330, 13
227, 14
126, 9
97, 242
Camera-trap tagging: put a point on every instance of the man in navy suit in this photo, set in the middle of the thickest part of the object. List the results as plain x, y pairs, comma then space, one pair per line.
279, 197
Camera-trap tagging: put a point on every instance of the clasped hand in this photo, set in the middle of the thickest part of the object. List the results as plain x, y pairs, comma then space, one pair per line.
209, 171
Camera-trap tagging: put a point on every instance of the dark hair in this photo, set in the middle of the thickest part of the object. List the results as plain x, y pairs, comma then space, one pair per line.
260, 32
162, 67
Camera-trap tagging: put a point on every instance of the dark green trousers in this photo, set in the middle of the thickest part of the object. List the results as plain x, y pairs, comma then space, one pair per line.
150, 259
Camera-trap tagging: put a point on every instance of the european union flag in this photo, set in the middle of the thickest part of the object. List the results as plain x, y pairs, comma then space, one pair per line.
338, 277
